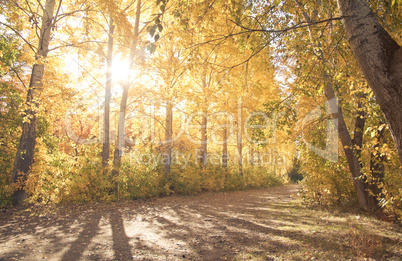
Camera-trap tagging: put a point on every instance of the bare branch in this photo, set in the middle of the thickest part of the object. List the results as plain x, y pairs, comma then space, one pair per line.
34, 49
18, 76
76, 44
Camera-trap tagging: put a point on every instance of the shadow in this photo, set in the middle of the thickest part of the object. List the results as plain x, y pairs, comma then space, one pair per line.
121, 246
221, 241
90, 230
258, 225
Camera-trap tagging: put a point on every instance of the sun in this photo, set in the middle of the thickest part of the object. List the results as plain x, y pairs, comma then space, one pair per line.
121, 73
120, 69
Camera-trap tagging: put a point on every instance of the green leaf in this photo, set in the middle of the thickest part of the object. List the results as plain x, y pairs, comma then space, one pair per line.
152, 48
152, 32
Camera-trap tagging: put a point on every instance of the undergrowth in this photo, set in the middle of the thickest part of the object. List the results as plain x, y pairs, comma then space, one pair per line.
59, 178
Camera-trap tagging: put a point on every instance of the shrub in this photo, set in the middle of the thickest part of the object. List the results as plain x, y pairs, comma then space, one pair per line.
57, 177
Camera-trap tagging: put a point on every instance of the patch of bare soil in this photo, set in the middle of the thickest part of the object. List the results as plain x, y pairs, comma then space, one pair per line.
264, 224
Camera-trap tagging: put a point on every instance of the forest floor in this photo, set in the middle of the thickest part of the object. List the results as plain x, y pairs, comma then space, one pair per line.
263, 224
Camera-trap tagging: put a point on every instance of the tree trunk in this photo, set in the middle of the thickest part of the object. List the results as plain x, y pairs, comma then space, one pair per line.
347, 144
26, 147
353, 161
239, 137
204, 140
357, 141
252, 154
108, 94
379, 58
118, 152
167, 159
225, 148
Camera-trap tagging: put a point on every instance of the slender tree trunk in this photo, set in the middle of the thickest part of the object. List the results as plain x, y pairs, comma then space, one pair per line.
118, 152
353, 162
26, 147
239, 153
252, 154
225, 148
204, 141
108, 95
357, 141
379, 58
167, 159
239, 137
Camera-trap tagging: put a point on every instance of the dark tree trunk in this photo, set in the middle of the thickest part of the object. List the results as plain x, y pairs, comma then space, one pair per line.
25, 152
379, 58
357, 141
348, 147
26, 147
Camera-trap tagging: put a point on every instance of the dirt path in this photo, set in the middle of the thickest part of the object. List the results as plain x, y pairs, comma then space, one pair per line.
266, 224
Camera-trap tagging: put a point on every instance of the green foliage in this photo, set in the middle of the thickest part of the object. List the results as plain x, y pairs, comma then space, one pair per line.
8, 53
10, 102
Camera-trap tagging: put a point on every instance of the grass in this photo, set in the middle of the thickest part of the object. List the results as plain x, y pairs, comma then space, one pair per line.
303, 233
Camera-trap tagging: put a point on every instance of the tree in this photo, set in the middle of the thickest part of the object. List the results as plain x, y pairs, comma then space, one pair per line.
118, 151
348, 144
108, 96
378, 55
380, 59
169, 64
26, 148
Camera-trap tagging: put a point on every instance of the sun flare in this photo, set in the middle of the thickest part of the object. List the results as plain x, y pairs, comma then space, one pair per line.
120, 69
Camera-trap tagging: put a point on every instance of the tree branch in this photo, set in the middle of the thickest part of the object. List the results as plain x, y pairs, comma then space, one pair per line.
20, 36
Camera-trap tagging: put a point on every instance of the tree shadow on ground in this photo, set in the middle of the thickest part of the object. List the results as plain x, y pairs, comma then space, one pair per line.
261, 225
89, 230
121, 245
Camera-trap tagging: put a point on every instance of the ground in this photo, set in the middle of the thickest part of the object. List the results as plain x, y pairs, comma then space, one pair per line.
263, 224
